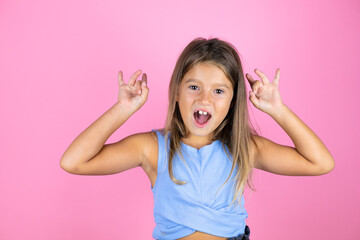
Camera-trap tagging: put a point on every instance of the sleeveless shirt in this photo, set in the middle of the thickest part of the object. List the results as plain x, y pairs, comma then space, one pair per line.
198, 205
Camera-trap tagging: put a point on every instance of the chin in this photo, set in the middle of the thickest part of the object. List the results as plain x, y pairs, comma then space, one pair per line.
201, 132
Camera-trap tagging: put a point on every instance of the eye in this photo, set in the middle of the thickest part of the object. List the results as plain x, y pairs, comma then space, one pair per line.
219, 91
192, 87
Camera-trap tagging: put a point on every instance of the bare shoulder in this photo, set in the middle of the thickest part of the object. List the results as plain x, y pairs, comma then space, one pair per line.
264, 150
255, 149
257, 143
145, 140
281, 159
147, 143
261, 148
137, 150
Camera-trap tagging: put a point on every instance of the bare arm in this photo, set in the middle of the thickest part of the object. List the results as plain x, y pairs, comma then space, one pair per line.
88, 148
309, 157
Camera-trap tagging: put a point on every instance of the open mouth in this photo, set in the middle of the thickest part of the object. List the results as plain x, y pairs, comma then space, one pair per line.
201, 118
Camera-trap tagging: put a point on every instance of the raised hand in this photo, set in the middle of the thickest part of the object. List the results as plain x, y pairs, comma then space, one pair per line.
134, 94
265, 95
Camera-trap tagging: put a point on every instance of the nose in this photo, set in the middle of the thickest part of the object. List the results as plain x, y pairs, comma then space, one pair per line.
205, 98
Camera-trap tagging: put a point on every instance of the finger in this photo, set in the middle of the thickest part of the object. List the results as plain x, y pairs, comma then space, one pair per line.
144, 80
277, 76
144, 91
254, 99
134, 77
250, 79
262, 76
120, 78
138, 87
255, 87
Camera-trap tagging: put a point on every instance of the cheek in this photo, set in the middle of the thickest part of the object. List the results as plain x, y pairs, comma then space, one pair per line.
224, 106
183, 107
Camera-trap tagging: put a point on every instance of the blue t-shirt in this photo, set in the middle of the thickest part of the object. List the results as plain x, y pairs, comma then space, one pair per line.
180, 210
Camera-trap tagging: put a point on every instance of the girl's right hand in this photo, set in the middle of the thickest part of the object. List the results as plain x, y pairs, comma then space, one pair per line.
133, 94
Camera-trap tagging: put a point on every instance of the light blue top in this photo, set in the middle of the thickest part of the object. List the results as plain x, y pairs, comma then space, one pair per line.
180, 210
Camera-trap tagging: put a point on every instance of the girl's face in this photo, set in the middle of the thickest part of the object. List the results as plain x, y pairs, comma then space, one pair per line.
204, 98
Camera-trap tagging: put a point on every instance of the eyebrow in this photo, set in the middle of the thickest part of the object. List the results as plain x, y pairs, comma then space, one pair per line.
195, 80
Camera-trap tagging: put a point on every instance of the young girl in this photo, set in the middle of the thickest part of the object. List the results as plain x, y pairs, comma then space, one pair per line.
199, 164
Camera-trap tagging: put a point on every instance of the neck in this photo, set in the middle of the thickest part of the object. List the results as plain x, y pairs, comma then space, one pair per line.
196, 141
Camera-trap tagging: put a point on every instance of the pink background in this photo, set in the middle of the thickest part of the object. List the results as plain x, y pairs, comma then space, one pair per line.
58, 70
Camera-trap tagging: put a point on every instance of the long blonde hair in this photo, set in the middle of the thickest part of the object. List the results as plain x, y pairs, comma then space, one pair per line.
235, 131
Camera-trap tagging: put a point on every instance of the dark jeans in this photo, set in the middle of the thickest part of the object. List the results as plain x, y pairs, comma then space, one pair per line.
245, 236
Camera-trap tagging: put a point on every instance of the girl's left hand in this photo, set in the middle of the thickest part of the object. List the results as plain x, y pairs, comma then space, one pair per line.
265, 95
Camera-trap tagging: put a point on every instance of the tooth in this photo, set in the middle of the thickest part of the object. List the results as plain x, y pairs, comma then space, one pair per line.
205, 113
200, 112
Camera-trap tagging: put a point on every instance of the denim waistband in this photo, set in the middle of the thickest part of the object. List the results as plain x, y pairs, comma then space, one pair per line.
245, 236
